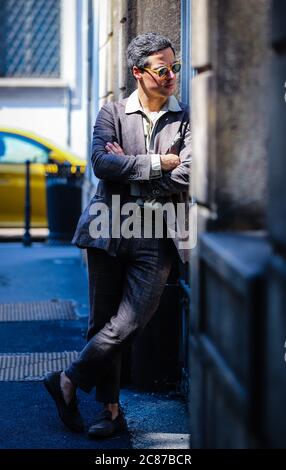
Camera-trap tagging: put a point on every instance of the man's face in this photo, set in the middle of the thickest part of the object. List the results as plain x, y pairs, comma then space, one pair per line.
151, 82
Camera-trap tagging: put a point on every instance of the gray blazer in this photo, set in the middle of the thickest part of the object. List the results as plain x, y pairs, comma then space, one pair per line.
116, 172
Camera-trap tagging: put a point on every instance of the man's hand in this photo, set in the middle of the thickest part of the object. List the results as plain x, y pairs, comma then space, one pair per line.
169, 161
114, 148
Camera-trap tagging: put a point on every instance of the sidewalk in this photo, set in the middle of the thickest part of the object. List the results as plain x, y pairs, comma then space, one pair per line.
47, 332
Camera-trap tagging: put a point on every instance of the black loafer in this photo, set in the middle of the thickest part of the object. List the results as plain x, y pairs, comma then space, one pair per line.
69, 414
105, 426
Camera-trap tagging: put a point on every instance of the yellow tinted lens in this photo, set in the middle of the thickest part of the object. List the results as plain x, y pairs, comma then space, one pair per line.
176, 67
162, 71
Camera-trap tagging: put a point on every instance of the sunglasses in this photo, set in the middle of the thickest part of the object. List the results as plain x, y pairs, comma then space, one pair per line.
163, 71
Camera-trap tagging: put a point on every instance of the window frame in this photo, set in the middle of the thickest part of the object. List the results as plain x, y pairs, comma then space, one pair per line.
29, 141
67, 61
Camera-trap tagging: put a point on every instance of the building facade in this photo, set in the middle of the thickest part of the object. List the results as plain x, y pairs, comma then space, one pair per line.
44, 69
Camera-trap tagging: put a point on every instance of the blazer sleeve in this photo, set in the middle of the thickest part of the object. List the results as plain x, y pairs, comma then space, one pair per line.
174, 181
122, 168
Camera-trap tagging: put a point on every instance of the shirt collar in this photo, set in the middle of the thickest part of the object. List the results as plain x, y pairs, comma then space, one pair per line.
133, 104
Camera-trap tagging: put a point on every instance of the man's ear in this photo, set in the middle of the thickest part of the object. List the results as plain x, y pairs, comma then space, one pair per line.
137, 73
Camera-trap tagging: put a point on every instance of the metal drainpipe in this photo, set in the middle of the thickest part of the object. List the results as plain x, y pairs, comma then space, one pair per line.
93, 88
89, 84
69, 111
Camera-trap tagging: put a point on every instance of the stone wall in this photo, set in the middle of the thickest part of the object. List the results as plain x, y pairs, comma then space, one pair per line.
230, 110
274, 425
231, 126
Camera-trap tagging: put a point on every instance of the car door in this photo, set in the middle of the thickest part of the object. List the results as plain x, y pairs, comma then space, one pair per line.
15, 150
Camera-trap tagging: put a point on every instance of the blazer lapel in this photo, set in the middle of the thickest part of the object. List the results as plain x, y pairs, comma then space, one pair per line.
134, 134
167, 131
166, 134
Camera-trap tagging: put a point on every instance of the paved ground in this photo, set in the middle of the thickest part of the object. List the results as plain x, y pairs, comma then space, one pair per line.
28, 416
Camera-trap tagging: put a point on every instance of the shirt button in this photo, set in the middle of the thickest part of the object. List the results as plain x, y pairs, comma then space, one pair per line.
155, 191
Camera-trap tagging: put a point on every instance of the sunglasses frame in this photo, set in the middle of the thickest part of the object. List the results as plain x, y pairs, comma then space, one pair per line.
169, 67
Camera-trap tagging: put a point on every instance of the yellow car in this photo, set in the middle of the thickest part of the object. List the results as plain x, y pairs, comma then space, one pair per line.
16, 147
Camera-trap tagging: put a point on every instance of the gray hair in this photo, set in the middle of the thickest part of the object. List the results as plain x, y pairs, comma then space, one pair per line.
144, 45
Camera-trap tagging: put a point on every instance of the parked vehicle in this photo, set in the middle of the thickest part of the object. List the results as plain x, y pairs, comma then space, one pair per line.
16, 147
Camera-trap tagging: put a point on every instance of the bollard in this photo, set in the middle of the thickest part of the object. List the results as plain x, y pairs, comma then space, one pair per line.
27, 241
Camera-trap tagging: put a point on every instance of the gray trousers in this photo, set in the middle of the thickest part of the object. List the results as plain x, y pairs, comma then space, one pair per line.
124, 292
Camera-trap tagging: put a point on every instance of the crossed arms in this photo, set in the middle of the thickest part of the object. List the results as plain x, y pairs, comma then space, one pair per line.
110, 163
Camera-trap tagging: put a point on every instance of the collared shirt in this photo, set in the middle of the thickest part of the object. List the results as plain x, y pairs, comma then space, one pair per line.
150, 120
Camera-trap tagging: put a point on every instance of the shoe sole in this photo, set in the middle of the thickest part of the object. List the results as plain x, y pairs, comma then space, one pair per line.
103, 434
55, 398
51, 392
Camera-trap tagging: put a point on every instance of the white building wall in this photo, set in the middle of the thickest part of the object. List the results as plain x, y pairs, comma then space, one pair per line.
45, 106
79, 101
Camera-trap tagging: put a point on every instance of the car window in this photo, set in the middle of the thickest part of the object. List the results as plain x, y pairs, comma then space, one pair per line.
18, 149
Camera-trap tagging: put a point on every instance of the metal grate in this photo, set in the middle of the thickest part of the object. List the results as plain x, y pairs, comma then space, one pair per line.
30, 38
35, 311
33, 366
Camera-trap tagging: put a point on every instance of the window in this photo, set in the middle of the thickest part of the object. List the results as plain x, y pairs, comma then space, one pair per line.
30, 38
18, 149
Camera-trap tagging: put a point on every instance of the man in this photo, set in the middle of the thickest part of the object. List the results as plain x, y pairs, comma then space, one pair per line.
141, 155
